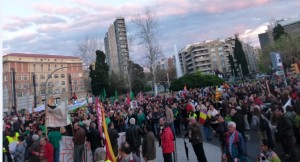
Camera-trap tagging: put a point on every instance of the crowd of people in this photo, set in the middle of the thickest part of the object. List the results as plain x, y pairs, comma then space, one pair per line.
257, 106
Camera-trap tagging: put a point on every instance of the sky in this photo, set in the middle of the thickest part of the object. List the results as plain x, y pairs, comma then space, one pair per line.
58, 26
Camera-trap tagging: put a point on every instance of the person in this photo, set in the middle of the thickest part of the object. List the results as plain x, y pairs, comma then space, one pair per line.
125, 154
93, 136
19, 153
221, 130
34, 148
167, 142
235, 149
100, 155
78, 140
10, 140
46, 153
113, 136
285, 132
170, 118
133, 137
148, 145
54, 138
267, 153
195, 137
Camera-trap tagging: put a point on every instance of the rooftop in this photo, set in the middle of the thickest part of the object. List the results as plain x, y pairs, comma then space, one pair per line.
41, 55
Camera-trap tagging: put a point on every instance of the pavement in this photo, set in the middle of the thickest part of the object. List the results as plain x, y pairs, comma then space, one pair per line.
212, 152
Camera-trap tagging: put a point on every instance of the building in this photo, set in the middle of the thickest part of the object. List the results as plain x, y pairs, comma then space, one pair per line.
251, 56
22, 71
291, 26
116, 48
207, 57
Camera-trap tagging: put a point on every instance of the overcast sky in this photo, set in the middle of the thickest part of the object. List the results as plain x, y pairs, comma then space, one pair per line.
57, 26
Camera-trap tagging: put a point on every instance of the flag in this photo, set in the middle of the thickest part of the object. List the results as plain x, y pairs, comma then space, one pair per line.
131, 95
218, 94
289, 102
104, 93
99, 114
128, 99
116, 95
226, 86
109, 151
202, 117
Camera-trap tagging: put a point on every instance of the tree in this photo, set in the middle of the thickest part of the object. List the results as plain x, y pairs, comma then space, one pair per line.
138, 78
147, 32
278, 31
232, 65
86, 49
116, 83
239, 55
99, 76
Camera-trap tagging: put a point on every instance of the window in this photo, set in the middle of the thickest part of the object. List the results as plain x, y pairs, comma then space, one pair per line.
63, 83
56, 76
50, 91
43, 91
63, 90
81, 88
220, 53
20, 86
57, 91
213, 54
19, 94
25, 77
49, 67
42, 66
50, 84
42, 76
56, 83
212, 50
5, 78
25, 85
61, 66
49, 76
220, 48
19, 77
76, 88
34, 67
55, 66
74, 82
62, 76
81, 81
43, 84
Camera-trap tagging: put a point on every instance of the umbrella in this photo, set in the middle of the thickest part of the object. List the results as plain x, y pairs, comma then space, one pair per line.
186, 150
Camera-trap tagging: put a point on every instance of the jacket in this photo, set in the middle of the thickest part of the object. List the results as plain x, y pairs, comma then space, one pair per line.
169, 115
133, 136
93, 136
167, 140
35, 147
79, 137
238, 147
194, 134
149, 147
48, 152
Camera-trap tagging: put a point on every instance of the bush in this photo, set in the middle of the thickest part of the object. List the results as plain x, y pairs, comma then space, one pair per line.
147, 88
195, 81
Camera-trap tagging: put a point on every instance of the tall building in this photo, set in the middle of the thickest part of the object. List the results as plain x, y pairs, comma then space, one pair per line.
21, 71
207, 57
251, 56
116, 47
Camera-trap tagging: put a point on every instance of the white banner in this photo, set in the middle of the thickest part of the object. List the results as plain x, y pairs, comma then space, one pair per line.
57, 117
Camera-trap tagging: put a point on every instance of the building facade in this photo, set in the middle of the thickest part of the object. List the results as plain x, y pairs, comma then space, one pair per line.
22, 71
116, 48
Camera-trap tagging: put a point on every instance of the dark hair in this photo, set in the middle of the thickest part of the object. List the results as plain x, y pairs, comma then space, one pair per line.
125, 147
148, 127
266, 143
21, 138
110, 124
166, 124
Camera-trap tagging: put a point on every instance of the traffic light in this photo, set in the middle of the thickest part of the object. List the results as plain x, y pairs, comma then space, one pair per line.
295, 68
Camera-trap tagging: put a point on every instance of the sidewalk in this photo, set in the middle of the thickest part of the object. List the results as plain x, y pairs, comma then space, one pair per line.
212, 152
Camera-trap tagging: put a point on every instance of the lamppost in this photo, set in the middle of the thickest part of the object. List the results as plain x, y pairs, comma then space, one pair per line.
48, 77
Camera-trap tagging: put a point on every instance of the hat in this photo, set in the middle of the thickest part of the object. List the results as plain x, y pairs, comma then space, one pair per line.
132, 121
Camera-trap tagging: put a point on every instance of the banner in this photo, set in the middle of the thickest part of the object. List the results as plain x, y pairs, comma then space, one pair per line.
67, 149
57, 117
77, 105
99, 114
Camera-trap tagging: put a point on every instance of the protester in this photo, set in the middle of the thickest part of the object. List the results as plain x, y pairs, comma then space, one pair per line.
54, 138
94, 138
235, 149
167, 142
125, 154
148, 145
46, 153
9, 141
19, 153
113, 136
78, 140
34, 148
100, 155
133, 137
267, 153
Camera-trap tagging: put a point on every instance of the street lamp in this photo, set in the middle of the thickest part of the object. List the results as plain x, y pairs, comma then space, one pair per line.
92, 65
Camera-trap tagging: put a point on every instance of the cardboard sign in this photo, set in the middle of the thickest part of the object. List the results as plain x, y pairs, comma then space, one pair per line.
57, 117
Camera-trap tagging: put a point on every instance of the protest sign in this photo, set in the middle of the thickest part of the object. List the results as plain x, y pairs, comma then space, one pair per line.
57, 117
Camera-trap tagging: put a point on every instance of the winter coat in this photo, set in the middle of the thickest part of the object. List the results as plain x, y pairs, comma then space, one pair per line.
167, 141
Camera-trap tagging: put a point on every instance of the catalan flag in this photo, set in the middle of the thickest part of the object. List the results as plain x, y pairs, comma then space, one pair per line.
109, 151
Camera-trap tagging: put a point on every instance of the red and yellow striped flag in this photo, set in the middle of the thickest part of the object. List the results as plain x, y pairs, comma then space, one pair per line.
109, 151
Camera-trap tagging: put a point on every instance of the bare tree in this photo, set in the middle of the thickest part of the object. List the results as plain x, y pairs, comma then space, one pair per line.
147, 33
86, 49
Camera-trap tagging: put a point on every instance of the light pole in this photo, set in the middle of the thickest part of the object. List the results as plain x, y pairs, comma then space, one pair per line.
48, 77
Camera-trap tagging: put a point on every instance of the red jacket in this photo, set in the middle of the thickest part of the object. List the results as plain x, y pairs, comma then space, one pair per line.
48, 151
167, 140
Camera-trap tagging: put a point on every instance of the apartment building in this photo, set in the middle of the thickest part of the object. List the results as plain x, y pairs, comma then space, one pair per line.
116, 47
22, 71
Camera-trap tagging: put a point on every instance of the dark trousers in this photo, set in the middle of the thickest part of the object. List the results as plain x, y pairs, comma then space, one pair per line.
168, 157
78, 153
56, 155
290, 147
8, 156
199, 151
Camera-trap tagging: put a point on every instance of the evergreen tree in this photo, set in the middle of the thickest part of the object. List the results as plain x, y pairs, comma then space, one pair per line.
278, 31
137, 77
239, 55
99, 76
232, 65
